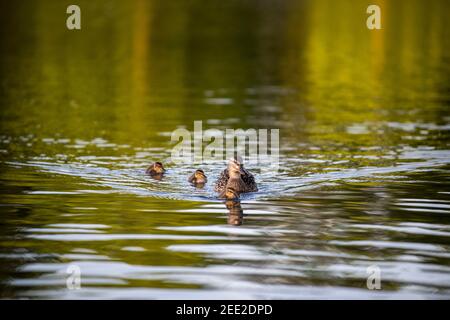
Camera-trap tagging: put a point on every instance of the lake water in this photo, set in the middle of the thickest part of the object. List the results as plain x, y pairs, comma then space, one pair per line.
364, 176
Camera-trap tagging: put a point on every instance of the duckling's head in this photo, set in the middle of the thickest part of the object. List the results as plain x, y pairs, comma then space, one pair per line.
158, 168
200, 176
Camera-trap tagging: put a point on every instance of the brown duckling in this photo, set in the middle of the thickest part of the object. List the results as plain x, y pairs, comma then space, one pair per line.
198, 178
156, 169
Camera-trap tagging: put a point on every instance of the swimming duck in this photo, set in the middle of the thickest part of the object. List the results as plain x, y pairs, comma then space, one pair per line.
236, 178
198, 178
156, 169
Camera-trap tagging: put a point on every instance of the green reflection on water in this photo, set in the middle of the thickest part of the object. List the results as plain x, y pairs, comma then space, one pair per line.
133, 62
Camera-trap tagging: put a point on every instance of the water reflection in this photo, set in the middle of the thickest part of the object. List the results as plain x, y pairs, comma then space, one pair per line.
157, 177
235, 212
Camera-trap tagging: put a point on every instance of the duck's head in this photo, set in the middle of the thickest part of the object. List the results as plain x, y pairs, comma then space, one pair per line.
200, 176
158, 168
235, 167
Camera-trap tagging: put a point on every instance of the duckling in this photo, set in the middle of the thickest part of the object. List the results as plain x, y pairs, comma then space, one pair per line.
247, 181
198, 178
156, 169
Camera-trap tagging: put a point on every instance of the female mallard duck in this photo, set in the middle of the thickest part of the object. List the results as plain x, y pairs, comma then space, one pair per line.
198, 178
155, 170
235, 179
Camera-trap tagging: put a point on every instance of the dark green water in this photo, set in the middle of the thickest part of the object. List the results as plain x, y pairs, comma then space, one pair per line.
364, 149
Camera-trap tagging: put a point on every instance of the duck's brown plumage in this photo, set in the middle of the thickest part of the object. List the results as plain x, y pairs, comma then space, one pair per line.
247, 181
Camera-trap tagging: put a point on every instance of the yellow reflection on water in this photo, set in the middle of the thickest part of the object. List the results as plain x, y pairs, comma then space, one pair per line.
151, 63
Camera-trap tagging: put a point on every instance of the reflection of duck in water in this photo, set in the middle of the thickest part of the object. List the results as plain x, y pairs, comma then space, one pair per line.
156, 170
234, 180
235, 212
198, 178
